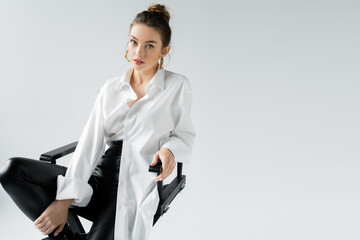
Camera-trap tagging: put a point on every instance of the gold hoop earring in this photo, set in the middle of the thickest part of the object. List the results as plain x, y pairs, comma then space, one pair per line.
126, 56
161, 63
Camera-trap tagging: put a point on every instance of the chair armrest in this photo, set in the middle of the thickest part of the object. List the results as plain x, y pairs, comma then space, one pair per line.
168, 192
52, 155
158, 168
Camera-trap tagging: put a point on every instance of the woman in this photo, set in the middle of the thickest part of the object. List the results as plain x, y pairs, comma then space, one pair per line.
140, 117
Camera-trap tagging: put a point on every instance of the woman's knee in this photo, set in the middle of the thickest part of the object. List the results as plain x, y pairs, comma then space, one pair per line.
9, 167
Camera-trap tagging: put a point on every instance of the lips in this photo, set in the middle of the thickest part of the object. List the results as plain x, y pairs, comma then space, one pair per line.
138, 60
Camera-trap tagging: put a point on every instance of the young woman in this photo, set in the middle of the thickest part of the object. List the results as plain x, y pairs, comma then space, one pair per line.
140, 117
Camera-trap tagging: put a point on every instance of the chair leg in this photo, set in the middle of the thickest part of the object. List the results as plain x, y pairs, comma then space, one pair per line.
75, 223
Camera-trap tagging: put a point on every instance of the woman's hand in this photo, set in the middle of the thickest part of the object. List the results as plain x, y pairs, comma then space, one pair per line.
168, 162
55, 215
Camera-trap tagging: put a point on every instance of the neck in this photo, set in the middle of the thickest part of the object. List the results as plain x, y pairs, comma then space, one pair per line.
143, 77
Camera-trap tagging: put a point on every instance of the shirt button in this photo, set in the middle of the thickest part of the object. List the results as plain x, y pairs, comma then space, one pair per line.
126, 138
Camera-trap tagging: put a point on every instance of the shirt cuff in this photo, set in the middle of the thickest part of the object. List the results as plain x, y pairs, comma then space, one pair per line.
73, 188
181, 152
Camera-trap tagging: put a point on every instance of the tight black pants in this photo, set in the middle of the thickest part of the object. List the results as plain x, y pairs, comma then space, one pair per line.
32, 185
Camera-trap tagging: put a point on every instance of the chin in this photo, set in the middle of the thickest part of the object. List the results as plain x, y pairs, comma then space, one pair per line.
143, 67
140, 68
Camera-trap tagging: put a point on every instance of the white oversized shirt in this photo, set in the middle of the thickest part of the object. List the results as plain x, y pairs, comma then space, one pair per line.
159, 119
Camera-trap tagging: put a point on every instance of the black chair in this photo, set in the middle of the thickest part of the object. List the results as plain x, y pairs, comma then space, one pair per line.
167, 192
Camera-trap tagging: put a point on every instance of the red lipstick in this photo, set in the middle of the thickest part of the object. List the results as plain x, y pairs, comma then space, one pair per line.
138, 61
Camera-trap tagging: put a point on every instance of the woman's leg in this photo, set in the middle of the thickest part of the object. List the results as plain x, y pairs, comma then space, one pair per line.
104, 182
31, 184
105, 204
101, 208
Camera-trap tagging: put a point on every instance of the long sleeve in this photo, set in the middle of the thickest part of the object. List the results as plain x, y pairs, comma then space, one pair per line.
181, 138
89, 150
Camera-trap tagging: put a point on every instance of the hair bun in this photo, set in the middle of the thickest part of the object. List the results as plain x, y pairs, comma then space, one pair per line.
161, 9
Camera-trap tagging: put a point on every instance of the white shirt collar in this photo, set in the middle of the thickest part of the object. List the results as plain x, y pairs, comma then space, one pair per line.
157, 80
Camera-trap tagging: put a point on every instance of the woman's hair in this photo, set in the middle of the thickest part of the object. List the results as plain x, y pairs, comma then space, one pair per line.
157, 17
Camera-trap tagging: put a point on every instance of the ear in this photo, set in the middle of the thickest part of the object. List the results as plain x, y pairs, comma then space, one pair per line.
165, 51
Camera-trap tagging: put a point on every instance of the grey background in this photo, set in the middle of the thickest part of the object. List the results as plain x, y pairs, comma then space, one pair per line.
276, 107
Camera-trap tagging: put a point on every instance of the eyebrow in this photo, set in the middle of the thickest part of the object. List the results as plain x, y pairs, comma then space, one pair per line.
150, 41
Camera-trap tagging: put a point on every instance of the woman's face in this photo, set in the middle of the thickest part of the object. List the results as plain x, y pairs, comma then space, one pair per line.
145, 45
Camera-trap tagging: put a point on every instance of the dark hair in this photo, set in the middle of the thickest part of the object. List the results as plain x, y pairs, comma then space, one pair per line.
157, 17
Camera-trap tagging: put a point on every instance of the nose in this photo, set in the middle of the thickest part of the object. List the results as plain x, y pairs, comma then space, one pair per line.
139, 52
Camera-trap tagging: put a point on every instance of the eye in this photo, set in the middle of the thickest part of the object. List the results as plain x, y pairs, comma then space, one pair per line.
132, 40
151, 46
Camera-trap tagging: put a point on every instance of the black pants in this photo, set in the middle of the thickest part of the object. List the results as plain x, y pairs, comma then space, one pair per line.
32, 185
